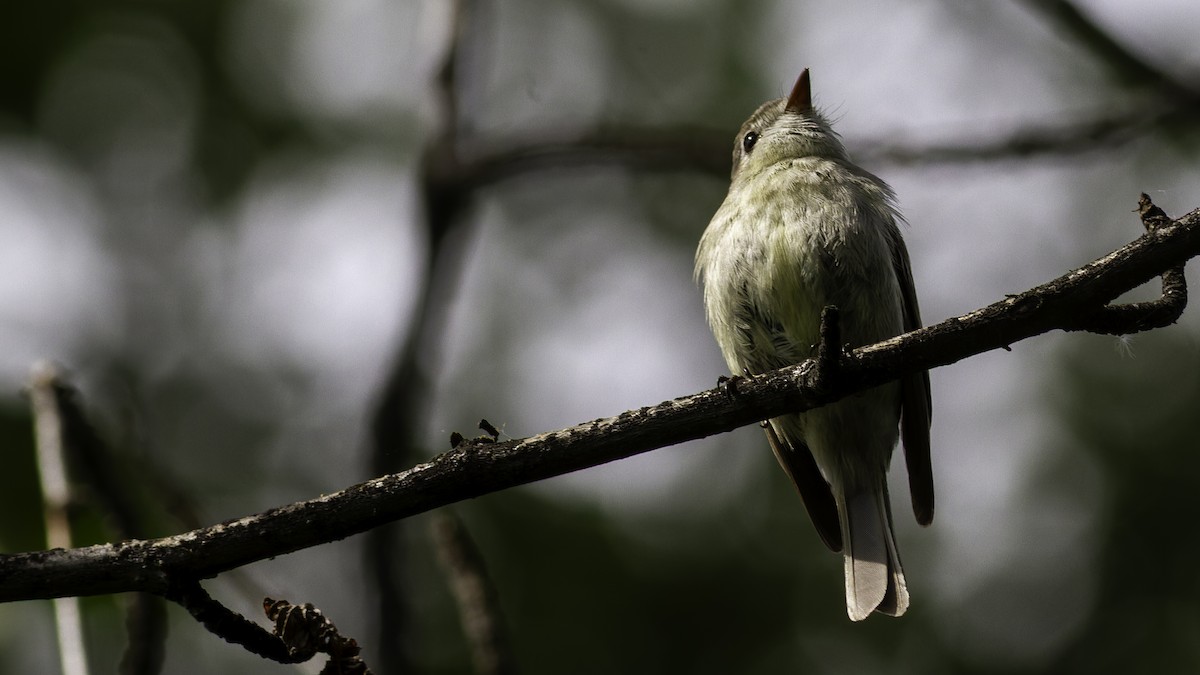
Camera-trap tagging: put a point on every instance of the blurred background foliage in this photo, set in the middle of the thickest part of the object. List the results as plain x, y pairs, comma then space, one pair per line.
214, 214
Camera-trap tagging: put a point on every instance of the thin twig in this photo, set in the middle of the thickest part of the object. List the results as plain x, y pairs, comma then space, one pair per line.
472, 469
228, 624
46, 396
300, 631
478, 602
1142, 316
93, 463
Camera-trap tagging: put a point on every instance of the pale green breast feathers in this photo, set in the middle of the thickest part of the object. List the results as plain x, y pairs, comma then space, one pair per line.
793, 235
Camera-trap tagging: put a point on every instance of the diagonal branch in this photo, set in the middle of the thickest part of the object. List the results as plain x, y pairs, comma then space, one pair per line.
1126, 66
473, 468
228, 624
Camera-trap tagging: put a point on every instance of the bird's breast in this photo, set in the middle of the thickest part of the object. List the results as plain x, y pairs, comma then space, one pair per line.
771, 262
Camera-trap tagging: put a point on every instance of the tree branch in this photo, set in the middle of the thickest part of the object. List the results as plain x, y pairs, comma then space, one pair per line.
478, 602
474, 468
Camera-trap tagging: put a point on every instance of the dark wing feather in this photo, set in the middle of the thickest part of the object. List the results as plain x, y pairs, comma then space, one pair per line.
798, 463
915, 400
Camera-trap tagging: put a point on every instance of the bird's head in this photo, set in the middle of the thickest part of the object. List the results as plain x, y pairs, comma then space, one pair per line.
783, 129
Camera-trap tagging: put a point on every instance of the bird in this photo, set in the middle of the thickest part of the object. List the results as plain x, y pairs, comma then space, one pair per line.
801, 228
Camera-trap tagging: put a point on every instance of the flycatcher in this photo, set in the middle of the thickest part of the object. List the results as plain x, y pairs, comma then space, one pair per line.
801, 228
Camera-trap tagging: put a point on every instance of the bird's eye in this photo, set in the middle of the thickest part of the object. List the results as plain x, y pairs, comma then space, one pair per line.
749, 140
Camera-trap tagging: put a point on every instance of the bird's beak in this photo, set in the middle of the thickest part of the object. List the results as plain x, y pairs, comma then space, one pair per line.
801, 99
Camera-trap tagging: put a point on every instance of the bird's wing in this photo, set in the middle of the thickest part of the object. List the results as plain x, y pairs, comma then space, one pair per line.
797, 461
915, 400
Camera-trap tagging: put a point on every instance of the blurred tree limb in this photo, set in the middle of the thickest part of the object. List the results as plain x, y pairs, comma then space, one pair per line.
1125, 65
707, 150
1078, 300
74, 458
396, 421
52, 432
478, 601
1172, 104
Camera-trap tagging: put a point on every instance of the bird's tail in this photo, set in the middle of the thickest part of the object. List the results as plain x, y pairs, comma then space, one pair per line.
874, 578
